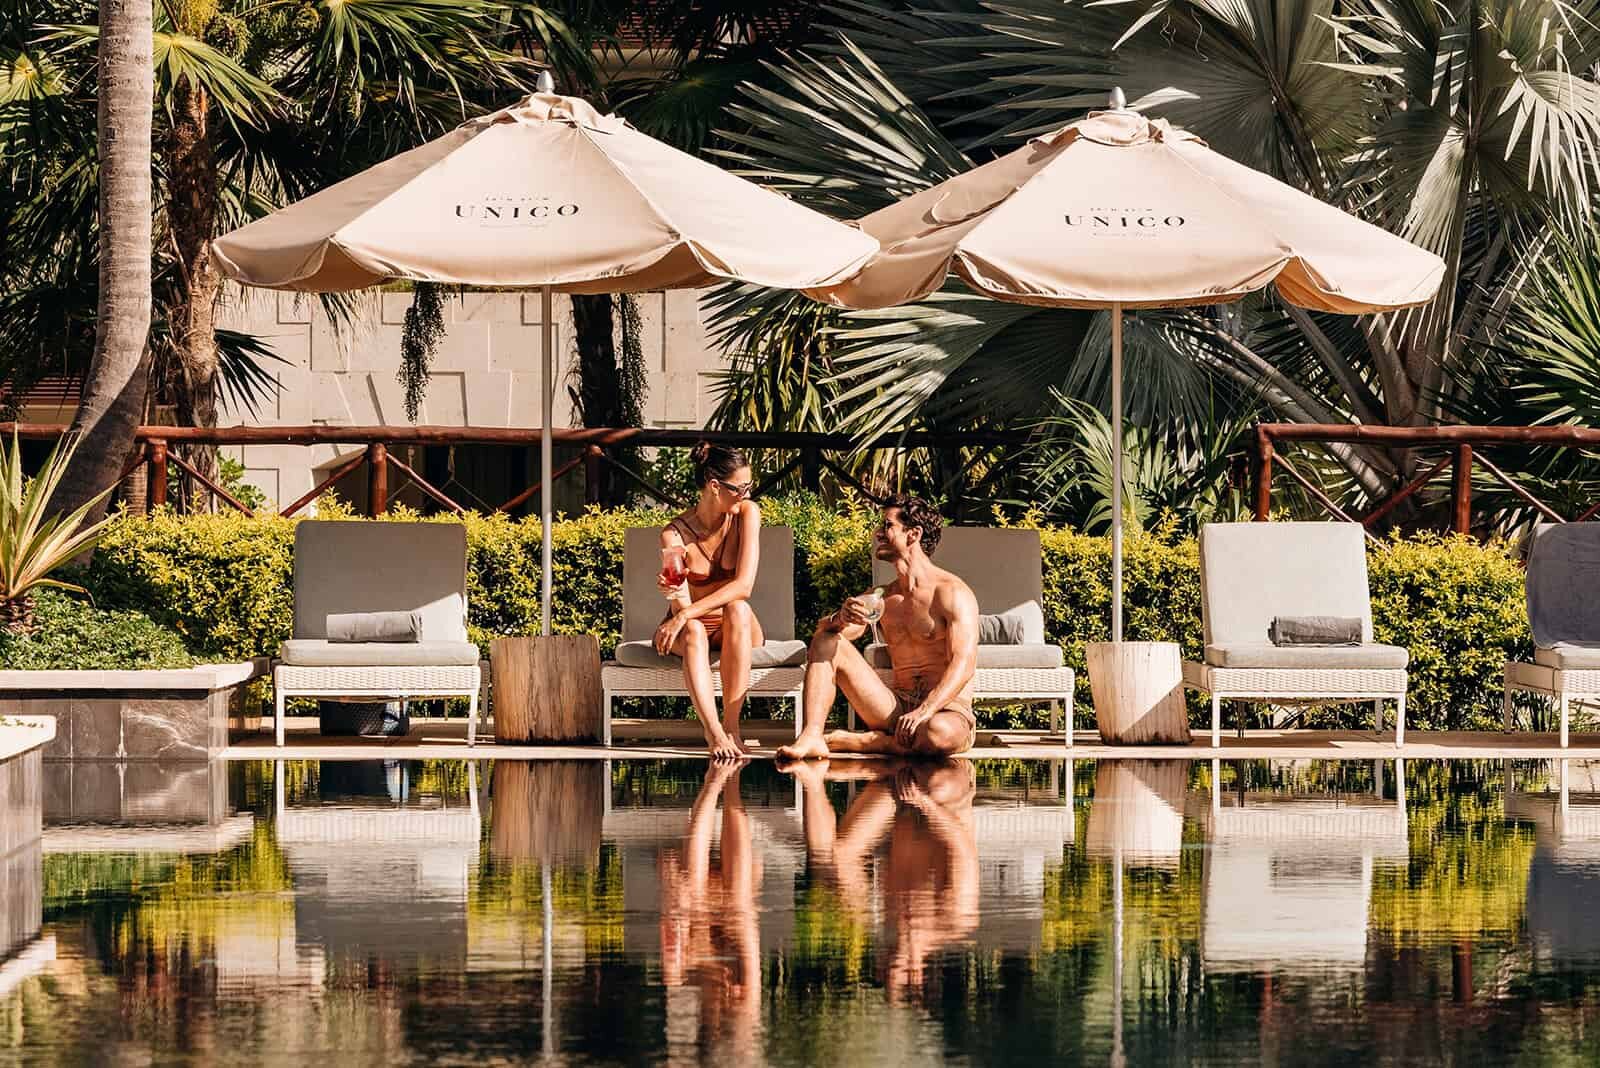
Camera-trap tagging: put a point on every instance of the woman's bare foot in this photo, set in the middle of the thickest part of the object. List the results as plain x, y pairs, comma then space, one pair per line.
736, 736
809, 746
722, 747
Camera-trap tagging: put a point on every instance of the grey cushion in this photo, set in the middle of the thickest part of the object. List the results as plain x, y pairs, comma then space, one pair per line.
1569, 656
1563, 576
1253, 572
366, 566
375, 627
643, 607
1315, 630
318, 652
1267, 655
1003, 567
642, 654
1013, 627
1032, 655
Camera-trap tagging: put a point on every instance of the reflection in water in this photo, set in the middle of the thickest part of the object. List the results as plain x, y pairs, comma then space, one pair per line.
1211, 912
928, 885
710, 940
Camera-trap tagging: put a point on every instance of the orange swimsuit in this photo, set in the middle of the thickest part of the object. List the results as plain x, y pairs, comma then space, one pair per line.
719, 573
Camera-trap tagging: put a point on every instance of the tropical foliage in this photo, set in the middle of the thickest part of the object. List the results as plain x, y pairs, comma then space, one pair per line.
1470, 128
36, 540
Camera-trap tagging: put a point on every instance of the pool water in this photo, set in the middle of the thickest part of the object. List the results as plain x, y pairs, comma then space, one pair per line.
983, 912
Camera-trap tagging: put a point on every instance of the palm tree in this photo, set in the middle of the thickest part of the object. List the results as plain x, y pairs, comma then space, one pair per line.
113, 396
1469, 126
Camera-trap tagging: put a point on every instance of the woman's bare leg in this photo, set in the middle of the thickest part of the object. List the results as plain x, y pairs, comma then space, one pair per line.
740, 635
695, 648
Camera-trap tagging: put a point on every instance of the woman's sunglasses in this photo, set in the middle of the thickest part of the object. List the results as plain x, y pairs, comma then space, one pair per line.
738, 489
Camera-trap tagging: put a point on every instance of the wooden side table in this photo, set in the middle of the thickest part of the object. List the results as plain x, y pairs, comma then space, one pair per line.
1138, 692
546, 690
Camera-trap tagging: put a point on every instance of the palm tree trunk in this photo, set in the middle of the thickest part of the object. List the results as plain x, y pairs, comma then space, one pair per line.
114, 388
191, 211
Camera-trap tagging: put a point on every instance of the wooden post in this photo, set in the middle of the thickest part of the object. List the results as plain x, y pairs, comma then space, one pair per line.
1263, 475
1138, 692
377, 479
811, 467
591, 474
156, 449
546, 690
1461, 490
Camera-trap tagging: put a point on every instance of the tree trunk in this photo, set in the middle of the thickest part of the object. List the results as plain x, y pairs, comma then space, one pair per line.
600, 394
114, 388
191, 212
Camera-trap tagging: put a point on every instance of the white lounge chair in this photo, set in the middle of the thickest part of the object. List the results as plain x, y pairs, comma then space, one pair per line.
1563, 569
1005, 569
1252, 573
350, 567
777, 669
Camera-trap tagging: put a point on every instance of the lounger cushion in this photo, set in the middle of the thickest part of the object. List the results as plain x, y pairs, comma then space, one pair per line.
1266, 655
642, 654
317, 652
1569, 656
1032, 655
1563, 570
1251, 573
350, 627
360, 566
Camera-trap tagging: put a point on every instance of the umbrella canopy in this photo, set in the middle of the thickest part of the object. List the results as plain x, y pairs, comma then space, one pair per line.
548, 194
1119, 211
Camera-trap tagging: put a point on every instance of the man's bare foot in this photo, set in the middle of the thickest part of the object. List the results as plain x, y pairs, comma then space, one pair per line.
736, 735
866, 742
810, 773
808, 746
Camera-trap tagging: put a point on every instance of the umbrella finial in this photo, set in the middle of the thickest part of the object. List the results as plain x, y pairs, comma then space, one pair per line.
545, 84
1119, 102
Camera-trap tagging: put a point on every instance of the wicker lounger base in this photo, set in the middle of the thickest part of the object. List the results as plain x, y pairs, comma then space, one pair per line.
405, 683
1563, 687
1300, 684
619, 680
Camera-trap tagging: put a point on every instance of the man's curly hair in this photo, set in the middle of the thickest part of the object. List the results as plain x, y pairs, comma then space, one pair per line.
916, 512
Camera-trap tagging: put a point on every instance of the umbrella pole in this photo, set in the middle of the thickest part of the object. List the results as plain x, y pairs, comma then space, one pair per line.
1116, 472
546, 448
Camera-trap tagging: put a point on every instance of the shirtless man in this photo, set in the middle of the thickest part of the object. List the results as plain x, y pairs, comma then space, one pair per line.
930, 625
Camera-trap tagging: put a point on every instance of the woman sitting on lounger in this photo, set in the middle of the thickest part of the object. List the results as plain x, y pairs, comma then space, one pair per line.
709, 607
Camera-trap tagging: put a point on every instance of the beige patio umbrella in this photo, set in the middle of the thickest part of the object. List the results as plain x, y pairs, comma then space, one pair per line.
1120, 211
550, 194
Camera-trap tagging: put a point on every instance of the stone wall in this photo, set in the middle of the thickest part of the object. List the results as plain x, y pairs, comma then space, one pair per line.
485, 370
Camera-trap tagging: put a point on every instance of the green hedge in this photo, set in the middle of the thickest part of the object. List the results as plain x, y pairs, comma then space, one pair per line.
223, 582
72, 633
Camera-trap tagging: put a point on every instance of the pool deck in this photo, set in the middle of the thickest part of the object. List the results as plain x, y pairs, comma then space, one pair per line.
447, 739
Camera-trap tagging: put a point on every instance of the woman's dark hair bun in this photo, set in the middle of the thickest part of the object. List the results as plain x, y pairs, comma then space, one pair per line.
715, 461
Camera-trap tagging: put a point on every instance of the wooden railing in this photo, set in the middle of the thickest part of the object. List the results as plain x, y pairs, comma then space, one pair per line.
813, 454
1460, 450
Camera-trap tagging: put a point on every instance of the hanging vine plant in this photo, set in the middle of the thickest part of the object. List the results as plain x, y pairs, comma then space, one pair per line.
419, 337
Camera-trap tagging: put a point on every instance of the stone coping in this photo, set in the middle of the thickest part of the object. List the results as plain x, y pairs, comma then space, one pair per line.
199, 677
18, 734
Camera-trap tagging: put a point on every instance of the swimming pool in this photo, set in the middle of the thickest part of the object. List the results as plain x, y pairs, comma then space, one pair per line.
988, 912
